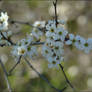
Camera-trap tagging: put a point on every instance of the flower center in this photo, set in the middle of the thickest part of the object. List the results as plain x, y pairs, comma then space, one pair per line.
38, 25
57, 48
29, 48
22, 51
26, 42
73, 40
53, 62
52, 30
86, 44
60, 33
46, 51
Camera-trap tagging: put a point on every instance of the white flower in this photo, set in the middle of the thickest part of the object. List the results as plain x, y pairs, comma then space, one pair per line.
21, 42
58, 48
58, 33
56, 37
79, 42
22, 50
37, 33
62, 22
88, 46
51, 32
3, 26
31, 51
53, 62
25, 42
46, 51
58, 44
61, 32
58, 51
40, 24
14, 51
69, 40
4, 16
51, 23
50, 35
3, 21
30, 38
83, 44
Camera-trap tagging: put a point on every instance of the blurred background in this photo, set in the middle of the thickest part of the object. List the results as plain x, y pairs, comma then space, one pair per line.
77, 65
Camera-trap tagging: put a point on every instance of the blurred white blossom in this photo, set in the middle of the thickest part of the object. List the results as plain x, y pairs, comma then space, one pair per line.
73, 71
3, 21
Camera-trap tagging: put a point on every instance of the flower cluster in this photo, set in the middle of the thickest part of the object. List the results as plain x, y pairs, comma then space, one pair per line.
37, 31
24, 48
79, 42
53, 49
3, 27
56, 38
53, 52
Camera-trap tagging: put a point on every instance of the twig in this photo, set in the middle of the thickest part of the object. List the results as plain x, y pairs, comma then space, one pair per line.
7, 39
6, 76
37, 43
41, 76
67, 80
25, 23
20, 22
2, 45
55, 6
10, 71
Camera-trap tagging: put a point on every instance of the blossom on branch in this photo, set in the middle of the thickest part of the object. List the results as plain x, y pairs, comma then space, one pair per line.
3, 21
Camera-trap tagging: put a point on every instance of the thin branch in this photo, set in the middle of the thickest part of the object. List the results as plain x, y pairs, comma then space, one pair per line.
25, 23
67, 80
3, 68
10, 71
37, 43
28, 24
2, 45
55, 7
43, 77
20, 22
6, 76
7, 39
